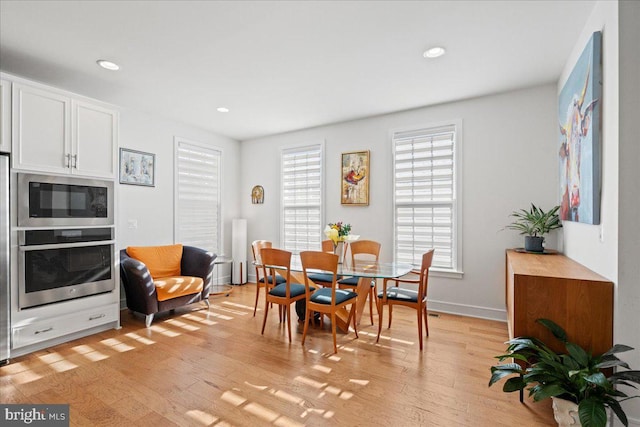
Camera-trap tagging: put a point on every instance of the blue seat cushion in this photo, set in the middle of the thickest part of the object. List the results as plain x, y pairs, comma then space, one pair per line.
322, 277
323, 296
279, 279
350, 281
400, 294
296, 289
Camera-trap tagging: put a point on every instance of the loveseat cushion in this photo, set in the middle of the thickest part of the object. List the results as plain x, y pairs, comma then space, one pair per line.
177, 286
162, 261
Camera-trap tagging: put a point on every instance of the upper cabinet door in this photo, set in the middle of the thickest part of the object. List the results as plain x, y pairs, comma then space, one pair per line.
41, 130
95, 132
5, 116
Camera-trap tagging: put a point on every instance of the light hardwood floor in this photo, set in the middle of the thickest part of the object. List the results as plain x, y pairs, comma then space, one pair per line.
203, 367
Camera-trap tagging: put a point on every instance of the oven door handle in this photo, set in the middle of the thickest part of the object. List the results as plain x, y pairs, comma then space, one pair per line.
65, 245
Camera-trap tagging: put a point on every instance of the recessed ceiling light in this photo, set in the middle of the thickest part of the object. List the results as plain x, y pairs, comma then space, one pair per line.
223, 109
108, 65
434, 52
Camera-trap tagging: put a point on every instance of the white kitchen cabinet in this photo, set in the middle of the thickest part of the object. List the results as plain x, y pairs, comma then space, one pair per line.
57, 132
5, 116
94, 142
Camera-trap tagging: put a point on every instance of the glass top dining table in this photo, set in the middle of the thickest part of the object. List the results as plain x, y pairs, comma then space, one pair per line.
367, 270
361, 268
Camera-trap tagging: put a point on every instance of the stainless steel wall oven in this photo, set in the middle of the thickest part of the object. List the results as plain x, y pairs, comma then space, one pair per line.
61, 264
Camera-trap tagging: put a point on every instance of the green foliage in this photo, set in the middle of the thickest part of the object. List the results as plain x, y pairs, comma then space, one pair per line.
535, 222
576, 375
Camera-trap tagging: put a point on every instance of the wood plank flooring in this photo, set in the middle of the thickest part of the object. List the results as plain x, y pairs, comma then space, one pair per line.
212, 367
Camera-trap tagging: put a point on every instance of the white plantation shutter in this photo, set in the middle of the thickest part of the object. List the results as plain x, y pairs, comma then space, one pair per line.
425, 196
301, 198
197, 196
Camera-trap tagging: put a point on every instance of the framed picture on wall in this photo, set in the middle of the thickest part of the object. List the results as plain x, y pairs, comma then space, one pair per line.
354, 178
137, 167
580, 115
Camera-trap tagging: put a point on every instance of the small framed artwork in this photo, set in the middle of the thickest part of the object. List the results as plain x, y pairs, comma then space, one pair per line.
257, 195
137, 167
354, 178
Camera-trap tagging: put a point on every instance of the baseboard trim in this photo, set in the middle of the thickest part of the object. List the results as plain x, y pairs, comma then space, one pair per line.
468, 310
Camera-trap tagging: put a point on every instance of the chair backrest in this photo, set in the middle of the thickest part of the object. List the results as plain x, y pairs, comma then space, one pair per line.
327, 246
364, 247
323, 261
256, 247
427, 259
272, 259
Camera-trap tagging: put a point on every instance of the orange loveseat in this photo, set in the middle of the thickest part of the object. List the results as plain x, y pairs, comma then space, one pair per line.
162, 278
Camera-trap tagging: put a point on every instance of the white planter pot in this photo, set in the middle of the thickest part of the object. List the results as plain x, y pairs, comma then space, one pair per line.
565, 412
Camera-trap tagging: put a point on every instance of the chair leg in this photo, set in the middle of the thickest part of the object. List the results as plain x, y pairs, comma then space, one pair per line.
390, 314
208, 304
380, 309
419, 311
372, 295
333, 331
306, 326
148, 319
266, 312
287, 314
353, 319
426, 320
255, 306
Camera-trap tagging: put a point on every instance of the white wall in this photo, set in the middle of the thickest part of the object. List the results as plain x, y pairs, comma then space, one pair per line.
628, 309
152, 207
509, 160
582, 241
617, 255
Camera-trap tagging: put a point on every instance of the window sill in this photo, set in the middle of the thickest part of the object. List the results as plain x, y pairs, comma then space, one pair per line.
450, 274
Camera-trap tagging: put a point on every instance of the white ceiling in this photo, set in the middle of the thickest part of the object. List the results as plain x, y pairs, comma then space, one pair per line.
281, 66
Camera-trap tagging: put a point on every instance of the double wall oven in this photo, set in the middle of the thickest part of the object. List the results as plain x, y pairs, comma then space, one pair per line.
65, 238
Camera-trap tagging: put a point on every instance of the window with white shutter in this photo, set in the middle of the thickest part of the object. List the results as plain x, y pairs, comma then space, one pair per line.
197, 195
426, 195
301, 227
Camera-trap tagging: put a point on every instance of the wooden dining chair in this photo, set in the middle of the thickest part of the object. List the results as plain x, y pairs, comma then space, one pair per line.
326, 300
283, 294
416, 299
256, 247
324, 279
361, 249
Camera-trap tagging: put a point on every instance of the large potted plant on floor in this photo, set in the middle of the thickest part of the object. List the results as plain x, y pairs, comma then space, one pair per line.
577, 377
534, 224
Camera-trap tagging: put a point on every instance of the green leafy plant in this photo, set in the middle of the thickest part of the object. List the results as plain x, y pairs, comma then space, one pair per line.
576, 376
535, 221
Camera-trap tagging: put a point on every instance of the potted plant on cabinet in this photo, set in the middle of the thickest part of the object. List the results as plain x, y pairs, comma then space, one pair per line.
534, 224
576, 377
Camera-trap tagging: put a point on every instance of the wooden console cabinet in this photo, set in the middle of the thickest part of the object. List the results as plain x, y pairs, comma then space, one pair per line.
558, 288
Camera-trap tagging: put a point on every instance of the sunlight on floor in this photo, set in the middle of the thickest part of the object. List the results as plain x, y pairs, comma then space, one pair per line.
234, 304
199, 319
164, 331
229, 310
386, 338
117, 345
140, 339
181, 324
201, 417
323, 369
232, 398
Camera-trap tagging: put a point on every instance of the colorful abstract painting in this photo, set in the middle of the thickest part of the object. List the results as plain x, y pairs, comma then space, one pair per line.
579, 109
355, 178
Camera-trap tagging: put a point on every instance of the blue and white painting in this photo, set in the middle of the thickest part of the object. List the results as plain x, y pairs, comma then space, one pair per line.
579, 109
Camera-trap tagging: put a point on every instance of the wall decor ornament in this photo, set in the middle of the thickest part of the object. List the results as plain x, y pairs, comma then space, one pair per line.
137, 167
257, 195
354, 178
580, 110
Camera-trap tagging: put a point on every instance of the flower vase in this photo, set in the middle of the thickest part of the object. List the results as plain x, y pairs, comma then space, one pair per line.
338, 249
